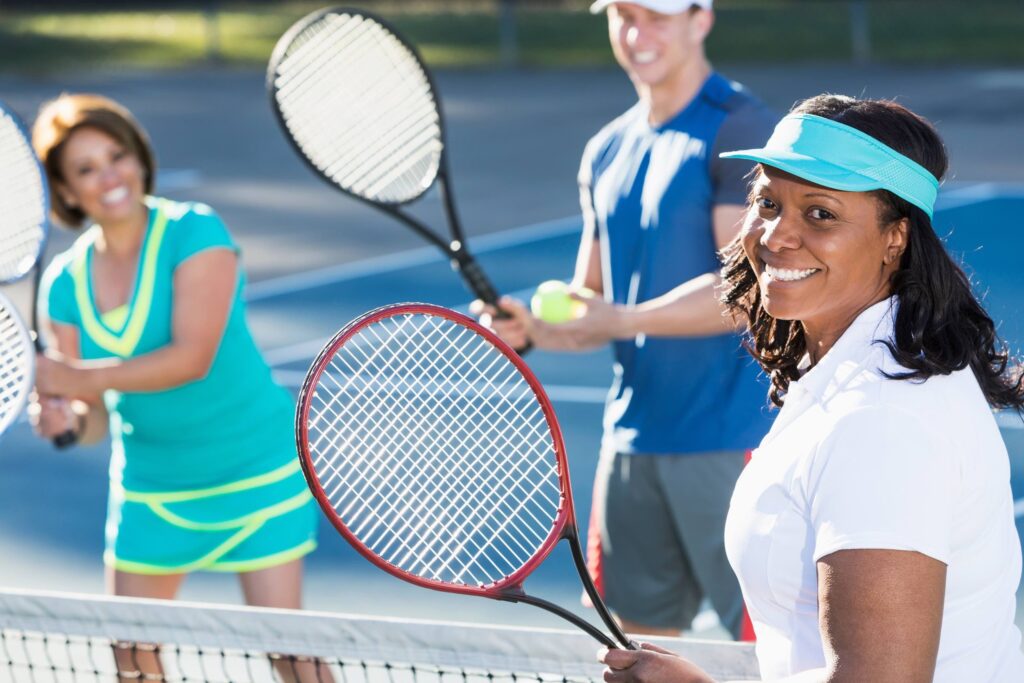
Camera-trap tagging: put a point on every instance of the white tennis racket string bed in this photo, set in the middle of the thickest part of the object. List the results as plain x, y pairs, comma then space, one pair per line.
24, 216
394, 423
336, 72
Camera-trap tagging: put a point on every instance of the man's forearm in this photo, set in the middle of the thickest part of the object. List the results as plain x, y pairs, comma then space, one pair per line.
690, 310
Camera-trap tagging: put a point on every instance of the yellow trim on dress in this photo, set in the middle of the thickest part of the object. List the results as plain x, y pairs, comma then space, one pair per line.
301, 550
160, 497
122, 344
274, 560
275, 510
202, 563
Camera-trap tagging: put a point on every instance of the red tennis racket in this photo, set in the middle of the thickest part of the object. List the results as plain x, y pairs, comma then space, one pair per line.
433, 449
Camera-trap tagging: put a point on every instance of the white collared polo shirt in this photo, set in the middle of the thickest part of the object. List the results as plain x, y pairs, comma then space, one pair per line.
856, 460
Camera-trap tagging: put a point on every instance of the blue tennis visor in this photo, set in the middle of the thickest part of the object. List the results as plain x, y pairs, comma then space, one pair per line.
834, 155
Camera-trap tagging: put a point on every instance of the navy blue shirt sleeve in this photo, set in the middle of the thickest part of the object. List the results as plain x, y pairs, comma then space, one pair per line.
747, 126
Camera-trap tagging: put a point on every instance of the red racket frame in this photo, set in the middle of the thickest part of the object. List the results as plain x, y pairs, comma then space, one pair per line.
510, 588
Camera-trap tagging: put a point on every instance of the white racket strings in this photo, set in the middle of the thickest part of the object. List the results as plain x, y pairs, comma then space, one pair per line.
434, 451
16, 362
360, 107
23, 218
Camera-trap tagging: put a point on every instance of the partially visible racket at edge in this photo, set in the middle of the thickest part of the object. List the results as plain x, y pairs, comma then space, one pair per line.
16, 364
433, 449
360, 107
24, 204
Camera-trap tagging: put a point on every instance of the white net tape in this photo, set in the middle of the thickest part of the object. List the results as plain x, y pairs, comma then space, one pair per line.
59, 638
360, 107
434, 450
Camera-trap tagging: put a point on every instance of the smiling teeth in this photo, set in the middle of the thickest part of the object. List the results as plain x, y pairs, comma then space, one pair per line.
644, 57
788, 274
115, 195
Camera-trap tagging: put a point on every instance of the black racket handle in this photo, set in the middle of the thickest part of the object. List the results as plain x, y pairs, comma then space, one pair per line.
65, 440
482, 287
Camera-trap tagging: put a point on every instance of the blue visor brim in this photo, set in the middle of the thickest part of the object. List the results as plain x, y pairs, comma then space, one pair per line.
808, 168
836, 156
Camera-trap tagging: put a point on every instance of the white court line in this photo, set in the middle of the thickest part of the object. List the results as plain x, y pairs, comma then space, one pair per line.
309, 349
959, 194
562, 393
177, 179
1000, 79
976, 193
287, 284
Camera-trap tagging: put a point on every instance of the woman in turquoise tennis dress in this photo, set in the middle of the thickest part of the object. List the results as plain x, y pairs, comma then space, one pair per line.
146, 316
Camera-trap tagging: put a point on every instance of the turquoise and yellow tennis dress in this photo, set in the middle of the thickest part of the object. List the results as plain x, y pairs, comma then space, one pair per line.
202, 476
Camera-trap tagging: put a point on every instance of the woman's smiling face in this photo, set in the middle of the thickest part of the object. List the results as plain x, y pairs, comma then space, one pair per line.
821, 256
101, 176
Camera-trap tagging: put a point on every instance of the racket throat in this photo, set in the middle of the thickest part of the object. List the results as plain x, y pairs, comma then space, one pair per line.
517, 595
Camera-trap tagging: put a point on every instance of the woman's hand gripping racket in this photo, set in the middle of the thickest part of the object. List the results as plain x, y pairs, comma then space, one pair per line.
435, 452
361, 109
24, 204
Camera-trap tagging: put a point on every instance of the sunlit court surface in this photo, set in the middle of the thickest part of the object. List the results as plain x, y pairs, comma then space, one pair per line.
316, 259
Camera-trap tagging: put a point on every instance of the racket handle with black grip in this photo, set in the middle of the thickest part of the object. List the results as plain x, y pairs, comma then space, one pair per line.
65, 439
482, 287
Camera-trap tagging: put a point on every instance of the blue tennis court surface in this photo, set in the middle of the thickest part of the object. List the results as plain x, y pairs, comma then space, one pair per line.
52, 530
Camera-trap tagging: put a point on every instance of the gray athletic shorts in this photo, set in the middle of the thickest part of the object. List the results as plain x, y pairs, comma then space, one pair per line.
661, 526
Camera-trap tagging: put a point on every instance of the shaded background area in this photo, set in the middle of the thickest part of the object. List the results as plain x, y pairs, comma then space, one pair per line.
516, 133
44, 35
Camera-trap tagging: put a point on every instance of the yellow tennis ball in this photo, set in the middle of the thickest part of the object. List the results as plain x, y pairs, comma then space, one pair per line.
552, 303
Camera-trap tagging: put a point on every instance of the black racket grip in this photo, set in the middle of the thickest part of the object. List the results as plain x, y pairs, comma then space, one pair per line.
65, 440
482, 287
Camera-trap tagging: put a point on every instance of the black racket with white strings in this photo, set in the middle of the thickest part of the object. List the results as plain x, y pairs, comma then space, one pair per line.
24, 205
433, 449
360, 107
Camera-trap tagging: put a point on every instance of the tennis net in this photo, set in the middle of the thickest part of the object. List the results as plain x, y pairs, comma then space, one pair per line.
54, 637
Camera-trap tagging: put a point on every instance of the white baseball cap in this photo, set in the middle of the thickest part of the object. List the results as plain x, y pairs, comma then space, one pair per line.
662, 6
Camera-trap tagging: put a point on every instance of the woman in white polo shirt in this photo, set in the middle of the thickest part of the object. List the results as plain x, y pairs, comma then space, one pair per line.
873, 530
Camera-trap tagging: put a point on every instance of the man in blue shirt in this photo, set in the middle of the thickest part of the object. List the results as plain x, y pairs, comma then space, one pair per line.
686, 403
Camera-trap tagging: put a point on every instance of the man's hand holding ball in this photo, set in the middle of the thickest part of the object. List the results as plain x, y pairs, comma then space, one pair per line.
553, 302
559, 318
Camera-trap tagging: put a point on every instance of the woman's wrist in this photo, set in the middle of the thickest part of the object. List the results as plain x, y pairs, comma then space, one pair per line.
92, 381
